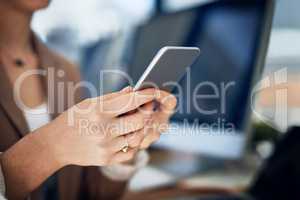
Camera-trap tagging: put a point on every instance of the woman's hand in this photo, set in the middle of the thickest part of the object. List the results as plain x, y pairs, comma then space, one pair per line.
72, 139
159, 122
94, 132
160, 111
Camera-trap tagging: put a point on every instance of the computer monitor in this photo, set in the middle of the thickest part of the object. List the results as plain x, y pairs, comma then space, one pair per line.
214, 111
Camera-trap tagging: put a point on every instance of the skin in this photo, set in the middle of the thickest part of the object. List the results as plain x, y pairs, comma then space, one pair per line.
37, 156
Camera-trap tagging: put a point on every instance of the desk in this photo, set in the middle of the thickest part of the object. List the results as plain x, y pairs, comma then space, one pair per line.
161, 177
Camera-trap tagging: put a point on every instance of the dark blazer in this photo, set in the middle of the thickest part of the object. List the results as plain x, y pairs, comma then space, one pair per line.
279, 178
73, 182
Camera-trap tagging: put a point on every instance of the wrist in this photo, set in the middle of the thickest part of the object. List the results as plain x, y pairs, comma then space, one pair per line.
48, 139
28, 163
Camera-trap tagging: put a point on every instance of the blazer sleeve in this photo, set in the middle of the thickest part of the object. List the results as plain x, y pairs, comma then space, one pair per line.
98, 186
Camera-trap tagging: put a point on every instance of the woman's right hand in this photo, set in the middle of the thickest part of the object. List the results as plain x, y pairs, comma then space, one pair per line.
92, 133
79, 136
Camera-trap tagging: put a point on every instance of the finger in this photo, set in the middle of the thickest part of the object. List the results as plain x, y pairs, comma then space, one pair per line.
151, 137
166, 100
161, 123
125, 90
148, 108
122, 157
135, 139
129, 123
117, 144
128, 102
96, 100
154, 131
132, 140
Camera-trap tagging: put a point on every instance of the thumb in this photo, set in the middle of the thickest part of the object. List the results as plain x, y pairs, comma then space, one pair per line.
127, 89
116, 94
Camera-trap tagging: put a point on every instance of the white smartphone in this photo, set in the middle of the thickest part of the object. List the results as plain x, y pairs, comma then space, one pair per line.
167, 68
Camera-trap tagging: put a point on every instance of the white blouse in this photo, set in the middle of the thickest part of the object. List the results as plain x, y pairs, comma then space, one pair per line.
39, 117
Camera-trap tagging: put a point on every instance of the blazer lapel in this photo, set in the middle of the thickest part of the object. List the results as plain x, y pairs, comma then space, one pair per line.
8, 104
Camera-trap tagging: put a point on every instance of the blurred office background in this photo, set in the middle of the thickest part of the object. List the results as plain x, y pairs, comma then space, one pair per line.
284, 54
100, 35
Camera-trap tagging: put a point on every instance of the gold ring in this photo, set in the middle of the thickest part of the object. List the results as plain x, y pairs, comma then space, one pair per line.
126, 147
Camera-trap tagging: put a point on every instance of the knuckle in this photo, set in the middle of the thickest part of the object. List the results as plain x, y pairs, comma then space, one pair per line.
141, 136
163, 127
140, 120
128, 156
131, 155
173, 101
155, 137
136, 141
131, 138
96, 117
86, 101
144, 146
81, 105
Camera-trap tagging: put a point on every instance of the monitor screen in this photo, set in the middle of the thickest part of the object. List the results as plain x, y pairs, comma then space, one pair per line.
216, 88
